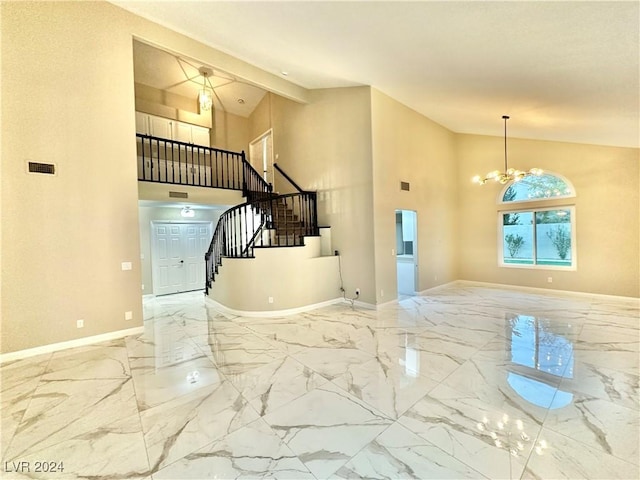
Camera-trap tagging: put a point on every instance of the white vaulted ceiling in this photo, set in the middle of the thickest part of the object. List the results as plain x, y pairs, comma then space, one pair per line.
566, 71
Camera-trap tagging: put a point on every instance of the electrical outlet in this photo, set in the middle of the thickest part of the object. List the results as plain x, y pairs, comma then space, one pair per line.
128, 315
270, 299
79, 323
357, 292
549, 279
126, 265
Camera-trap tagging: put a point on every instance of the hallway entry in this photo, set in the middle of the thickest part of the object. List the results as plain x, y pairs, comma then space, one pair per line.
178, 256
407, 251
261, 155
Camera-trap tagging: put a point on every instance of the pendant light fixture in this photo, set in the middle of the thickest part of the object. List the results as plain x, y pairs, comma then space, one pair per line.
509, 174
205, 95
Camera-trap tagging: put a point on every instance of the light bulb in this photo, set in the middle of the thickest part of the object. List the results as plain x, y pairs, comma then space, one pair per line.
205, 99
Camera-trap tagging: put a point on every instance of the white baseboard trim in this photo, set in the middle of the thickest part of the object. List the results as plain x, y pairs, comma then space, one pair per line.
386, 304
358, 303
417, 294
272, 313
547, 291
438, 287
79, 342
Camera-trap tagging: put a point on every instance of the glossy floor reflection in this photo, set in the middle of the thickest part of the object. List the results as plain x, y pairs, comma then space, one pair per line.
467, 382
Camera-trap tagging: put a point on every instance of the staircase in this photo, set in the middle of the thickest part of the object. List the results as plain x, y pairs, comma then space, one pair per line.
266, 220
285, 228
272, 221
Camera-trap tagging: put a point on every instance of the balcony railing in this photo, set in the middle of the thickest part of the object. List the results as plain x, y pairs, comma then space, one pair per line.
162, 160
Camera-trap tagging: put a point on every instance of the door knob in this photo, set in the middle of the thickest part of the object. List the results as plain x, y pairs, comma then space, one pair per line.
181, 261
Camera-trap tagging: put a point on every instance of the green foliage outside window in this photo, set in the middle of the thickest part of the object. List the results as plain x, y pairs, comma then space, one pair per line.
561, 239
537, 187
514, 243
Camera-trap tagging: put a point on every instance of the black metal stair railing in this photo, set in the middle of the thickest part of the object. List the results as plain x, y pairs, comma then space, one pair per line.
272, 221
265, 220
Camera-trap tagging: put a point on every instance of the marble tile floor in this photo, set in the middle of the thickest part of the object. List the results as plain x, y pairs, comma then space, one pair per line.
465, 382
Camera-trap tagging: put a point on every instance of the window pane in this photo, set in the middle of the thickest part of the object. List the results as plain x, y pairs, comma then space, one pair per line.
553, 237
517, 238
534, 188
523, 347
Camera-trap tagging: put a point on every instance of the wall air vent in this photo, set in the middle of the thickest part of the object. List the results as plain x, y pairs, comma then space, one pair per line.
404, 186
43, 168
178, 195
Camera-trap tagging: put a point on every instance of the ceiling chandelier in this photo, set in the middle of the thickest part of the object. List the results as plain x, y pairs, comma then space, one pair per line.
205, 95
509, 174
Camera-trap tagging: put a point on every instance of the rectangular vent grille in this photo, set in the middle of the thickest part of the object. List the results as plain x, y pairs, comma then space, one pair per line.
44, 168
178, 195
404, 186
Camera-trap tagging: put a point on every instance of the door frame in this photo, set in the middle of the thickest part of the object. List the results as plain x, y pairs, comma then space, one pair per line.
154, 252
267, 163
416, 270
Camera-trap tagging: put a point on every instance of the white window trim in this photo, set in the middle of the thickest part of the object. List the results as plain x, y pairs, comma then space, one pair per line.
533, 208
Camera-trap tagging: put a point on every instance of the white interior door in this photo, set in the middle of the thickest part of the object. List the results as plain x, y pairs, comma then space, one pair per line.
197, 238
167, 262
178, 256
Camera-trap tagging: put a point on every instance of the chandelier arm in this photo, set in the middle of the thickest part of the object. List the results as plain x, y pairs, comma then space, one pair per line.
508, 174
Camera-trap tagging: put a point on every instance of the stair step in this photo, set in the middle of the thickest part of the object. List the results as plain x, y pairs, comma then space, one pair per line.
286, 221
287, 242
285, 226
284, 213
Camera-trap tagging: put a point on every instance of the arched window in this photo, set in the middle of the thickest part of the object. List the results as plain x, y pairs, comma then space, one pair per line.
538, 188
537, 219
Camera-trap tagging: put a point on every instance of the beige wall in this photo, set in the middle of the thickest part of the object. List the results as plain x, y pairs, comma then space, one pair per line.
231, 132
160, 192
326, 146
65, 72
68, 98
606, 180
409, 147
292, 277
150, 213
169, 105
260, 118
